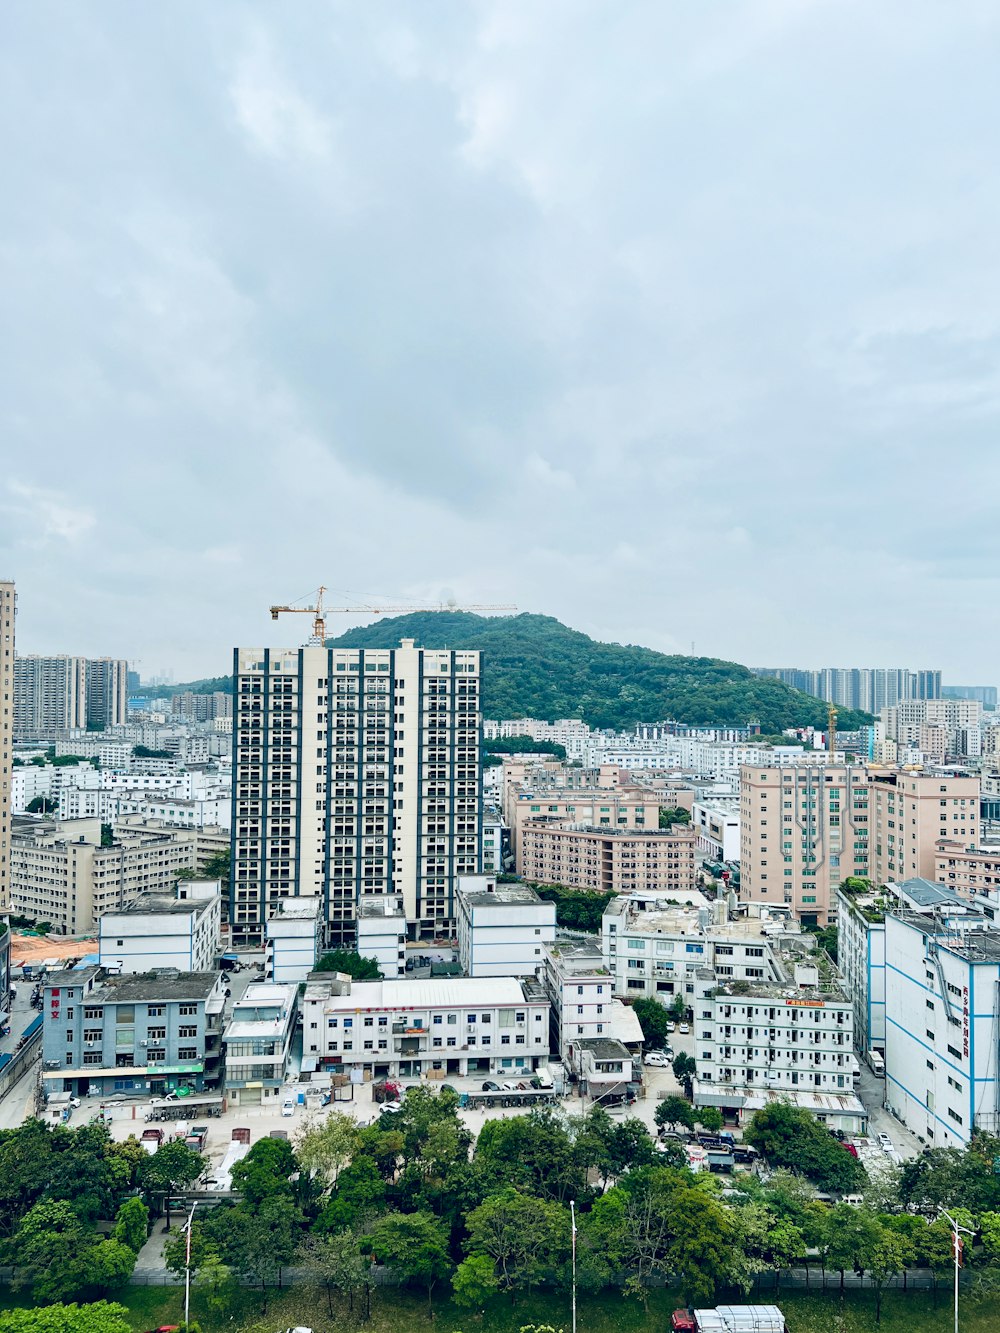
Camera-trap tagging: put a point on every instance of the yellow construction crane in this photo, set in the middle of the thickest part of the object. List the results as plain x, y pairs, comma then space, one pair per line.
831, 728
319, 612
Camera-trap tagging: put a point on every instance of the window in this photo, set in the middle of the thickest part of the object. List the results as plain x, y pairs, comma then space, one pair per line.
188, 1010
188, 1053
155, 1057
189, 1032
155, 1011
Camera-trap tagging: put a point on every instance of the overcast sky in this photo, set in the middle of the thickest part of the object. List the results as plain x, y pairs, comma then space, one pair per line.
677, 321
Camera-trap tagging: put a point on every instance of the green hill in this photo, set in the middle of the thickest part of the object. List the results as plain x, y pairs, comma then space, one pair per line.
534, 666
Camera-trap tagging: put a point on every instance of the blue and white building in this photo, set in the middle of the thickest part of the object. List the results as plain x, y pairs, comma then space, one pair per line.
942, 1024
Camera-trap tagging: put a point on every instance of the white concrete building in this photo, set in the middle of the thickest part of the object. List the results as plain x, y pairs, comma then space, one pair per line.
382, 934
580, 988
356, 775
717, 824
942, 1025
503, 929
657, 952
257, 1041
292, 940
794, 1038
459, 1026
181, 929
861, 956
493, 841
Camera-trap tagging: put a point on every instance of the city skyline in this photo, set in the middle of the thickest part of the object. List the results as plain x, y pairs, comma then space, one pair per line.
348, 296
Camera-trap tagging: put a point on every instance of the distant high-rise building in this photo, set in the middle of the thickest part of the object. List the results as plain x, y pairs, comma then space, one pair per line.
107, 692
50, 694
7, 610
985, 694
356, 774
866, 688
132, 682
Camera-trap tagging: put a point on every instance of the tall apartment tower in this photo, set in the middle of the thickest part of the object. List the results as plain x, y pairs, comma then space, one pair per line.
107, 691
803, 829
7, 610
50, 695
356, 774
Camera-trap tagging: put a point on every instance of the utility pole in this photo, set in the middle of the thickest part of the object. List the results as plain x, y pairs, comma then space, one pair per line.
572, 1215
187, 1269
956, 1248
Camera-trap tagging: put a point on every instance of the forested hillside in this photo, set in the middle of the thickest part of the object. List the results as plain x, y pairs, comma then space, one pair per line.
534, 666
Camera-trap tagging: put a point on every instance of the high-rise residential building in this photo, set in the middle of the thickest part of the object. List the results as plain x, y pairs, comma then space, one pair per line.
7, 610
986, 694
107, 692
806, 829
920, 721
356, 773
54, 694
50, 694
867, 688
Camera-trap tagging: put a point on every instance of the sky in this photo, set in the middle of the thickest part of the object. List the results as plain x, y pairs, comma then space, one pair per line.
679, 322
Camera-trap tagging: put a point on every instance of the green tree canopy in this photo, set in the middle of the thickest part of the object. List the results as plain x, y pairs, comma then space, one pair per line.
95, 1317
351, 962
789, 1136
653, 1019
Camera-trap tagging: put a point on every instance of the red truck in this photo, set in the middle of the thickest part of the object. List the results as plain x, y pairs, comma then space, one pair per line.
151, 1139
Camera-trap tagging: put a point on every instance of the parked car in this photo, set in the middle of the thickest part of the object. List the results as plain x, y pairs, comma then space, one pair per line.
684, 1029
671, 1025
490, 1086
656, 1059
288, 1107
884, 1142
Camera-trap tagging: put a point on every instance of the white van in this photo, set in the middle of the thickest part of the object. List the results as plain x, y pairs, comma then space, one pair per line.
877, 1064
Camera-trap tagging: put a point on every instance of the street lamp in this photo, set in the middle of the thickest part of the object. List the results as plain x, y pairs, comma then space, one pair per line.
956, 1248
187, 1268
572, 1217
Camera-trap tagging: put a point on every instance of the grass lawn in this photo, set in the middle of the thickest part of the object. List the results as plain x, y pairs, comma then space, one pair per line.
396, 1312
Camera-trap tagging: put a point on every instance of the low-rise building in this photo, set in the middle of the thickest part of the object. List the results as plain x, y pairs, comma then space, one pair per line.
143, 1033
381, 927
502, 928
580, 988
61, 873
966, 869
793, 1037
258, 1040
656, 951
292, 939
180, 929
457, 1025
717, 827
941, 1050
608, 860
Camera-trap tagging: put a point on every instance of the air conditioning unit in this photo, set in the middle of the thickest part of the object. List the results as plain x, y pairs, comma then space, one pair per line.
90, 1044
142, 1043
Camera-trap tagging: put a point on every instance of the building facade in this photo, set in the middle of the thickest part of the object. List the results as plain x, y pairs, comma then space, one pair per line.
909, 813
181, 930
50, 695
258, 1041
355, 773
458, 1026
966, 869
292, 940
148, 1033
609, 860
941, 1026
503, 929
8, 606
865, 688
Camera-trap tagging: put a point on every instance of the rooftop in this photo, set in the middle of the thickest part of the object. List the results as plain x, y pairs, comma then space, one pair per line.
161, 984
429, 993
161, 904
505, 895
380, 905
605, 1048
578, 957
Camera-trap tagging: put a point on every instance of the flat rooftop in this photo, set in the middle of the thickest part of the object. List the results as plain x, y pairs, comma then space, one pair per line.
161, 904
376, 906
504, 895
605, 1048
578, 957
140, 987
423, 993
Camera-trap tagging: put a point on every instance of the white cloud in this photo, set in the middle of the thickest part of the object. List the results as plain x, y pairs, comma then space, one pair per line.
49, 515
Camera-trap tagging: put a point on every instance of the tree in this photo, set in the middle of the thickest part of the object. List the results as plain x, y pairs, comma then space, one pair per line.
475, 1281
216, 1280
175, 1249
700, 1251
107, 835
710, 1118
653, 1020
358, 1195
95, 1317
42, 805
673, 814
534, 1152
526, 1238
684, 1068
257, 1243
886, 1258
789, 1136
674, 1111
173, 1165
108, 1264
351, 962
576, 909
852, 1236
676, 1009
415, 1244
334, 1263
50, 1249
325, 1147
132, 1224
